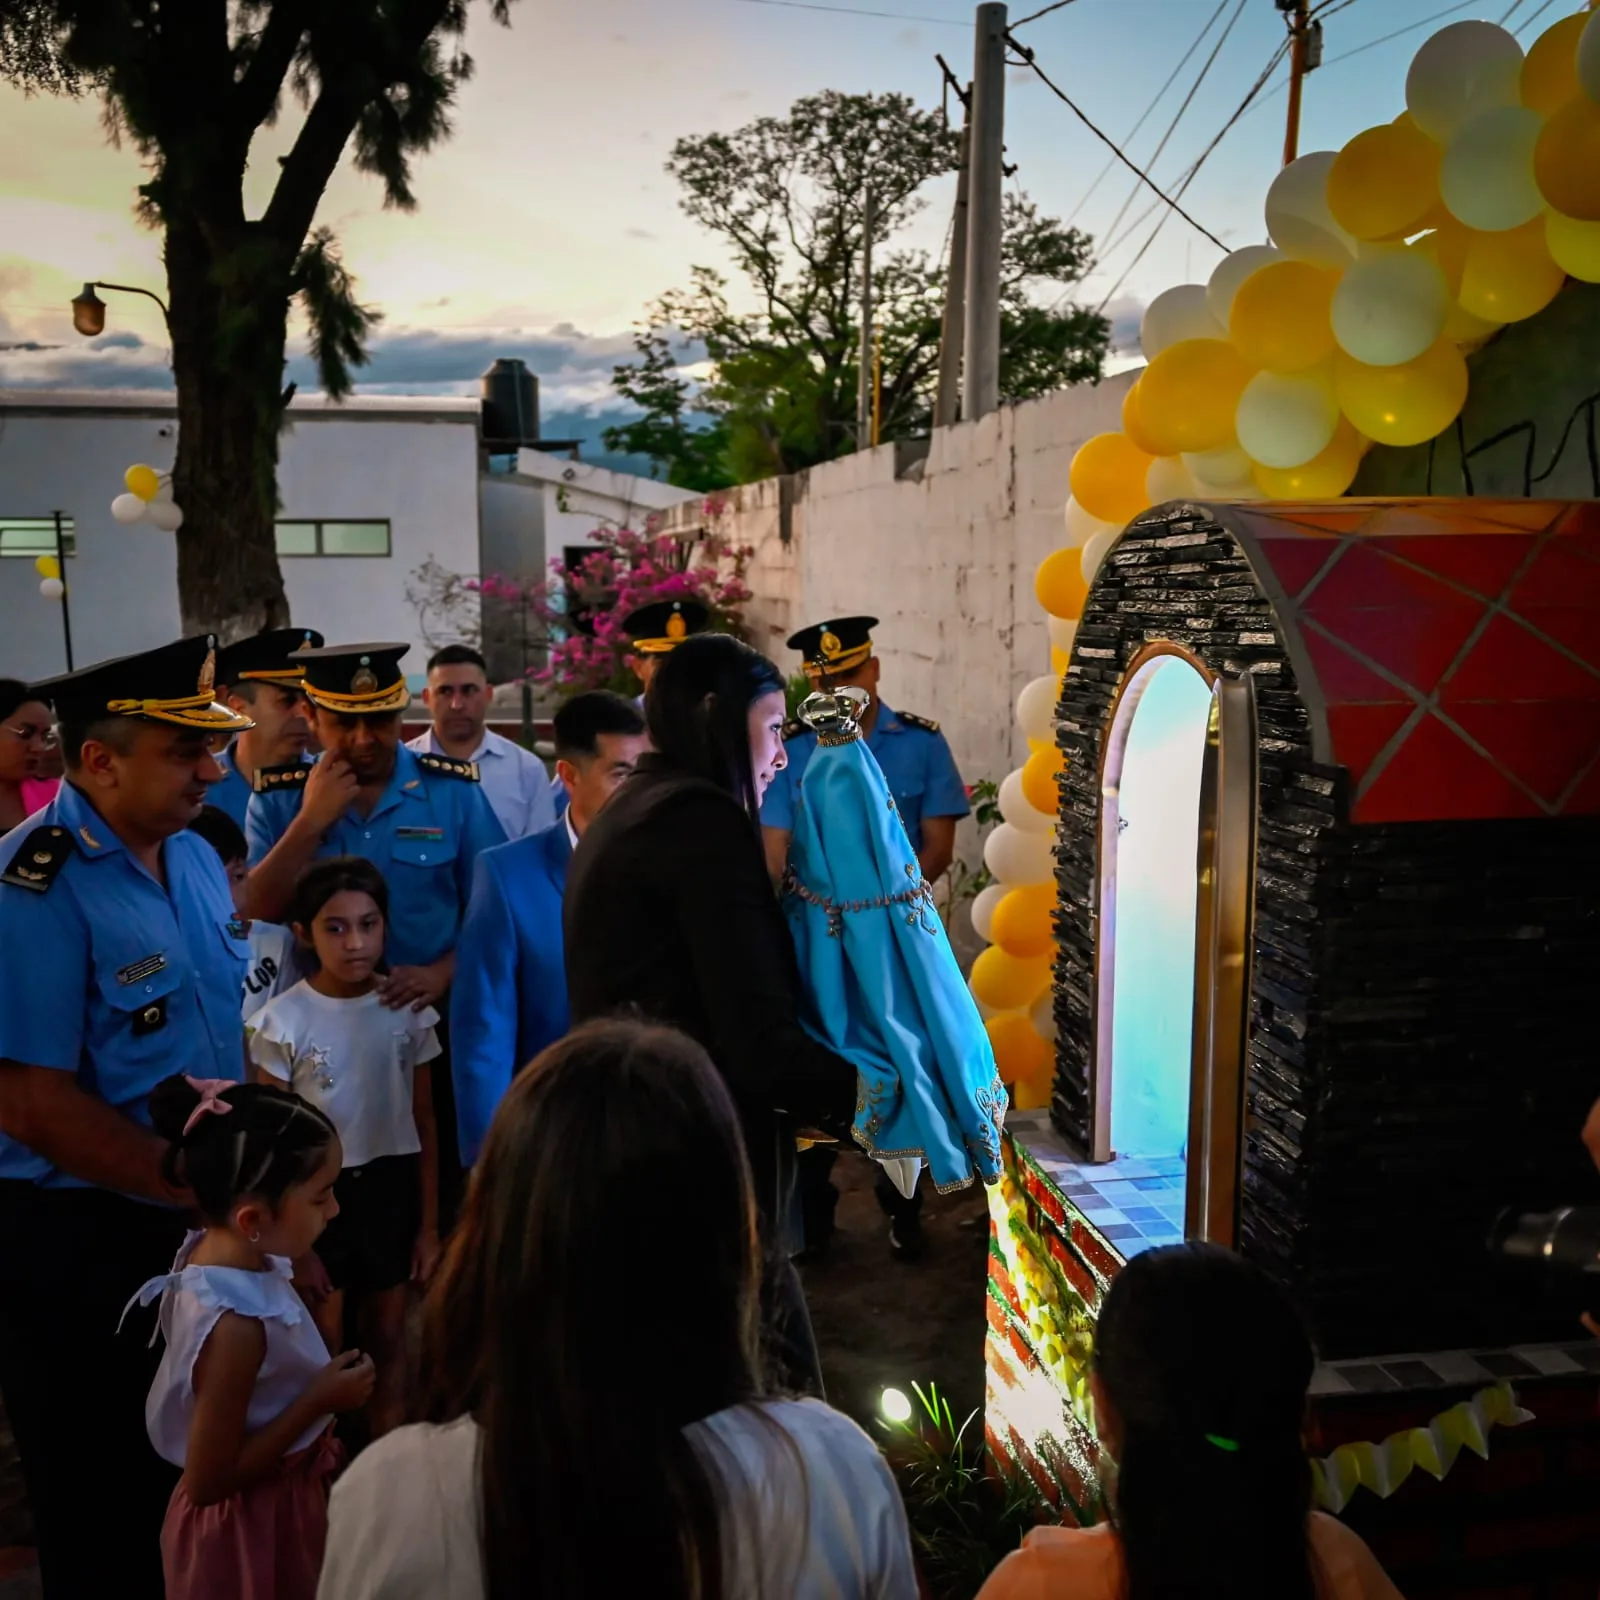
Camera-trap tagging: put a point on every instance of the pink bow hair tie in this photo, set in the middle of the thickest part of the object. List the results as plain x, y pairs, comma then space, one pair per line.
211, 1101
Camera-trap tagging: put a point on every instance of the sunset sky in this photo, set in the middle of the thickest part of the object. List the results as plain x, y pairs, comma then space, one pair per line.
547, 224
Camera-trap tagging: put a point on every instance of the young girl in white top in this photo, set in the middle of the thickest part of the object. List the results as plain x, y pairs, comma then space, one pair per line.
245, 1393
333, 1041
600, 1423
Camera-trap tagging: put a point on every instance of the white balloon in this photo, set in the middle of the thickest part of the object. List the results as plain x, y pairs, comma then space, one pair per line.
982, 912
164, 515
1094, 555
1286, 418
1486, 176
1589, 57
164, 493
1036, 708
1043, 1017
128, 508
1391, 307
1298, 217
1221, 494
1168, 479
1015, 809
1018, 859
1230, 274
1464, 68
1177, 314
1063, 630
52, 588
1216, 468
1081, 527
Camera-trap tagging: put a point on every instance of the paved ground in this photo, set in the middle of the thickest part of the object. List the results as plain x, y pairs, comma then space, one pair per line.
879, 1322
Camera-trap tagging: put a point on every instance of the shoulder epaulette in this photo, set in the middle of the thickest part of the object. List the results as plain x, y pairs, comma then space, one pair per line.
917, 722
291, 776
792, 729
450, 767
38, 863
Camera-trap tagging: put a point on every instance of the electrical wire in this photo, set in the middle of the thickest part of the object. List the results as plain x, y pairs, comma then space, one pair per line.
1144, 116
1172, 126
856, 11
1516, 6
1066, 100
1045, 12
1532, 17
1194, 171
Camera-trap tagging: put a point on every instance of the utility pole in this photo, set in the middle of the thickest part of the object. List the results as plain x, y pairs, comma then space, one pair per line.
864, 387
1305, 55
985, 193
947, 404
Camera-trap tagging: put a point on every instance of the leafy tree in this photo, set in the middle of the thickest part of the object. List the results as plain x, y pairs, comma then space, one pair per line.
191, 83
786, 199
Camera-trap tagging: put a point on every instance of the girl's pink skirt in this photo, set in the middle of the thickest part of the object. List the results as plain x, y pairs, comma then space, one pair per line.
264, 1543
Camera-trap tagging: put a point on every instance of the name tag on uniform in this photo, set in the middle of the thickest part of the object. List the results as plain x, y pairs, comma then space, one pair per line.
140, 970
431, 835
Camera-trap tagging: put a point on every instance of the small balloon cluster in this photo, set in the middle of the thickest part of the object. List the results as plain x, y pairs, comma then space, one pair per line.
51, 585
1390, 261
149, 499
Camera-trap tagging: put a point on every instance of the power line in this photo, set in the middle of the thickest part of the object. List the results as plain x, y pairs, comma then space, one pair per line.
1516, 6
1188, 100
1532, 17
1222, 133
1144, 116
856, 11
1066, 100
1045, 12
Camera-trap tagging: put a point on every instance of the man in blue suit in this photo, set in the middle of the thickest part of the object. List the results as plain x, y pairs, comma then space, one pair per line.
510, 994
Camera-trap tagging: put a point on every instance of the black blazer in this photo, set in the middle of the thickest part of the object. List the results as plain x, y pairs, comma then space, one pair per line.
669, 910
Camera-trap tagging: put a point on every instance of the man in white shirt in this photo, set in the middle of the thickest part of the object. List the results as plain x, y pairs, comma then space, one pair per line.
514, 780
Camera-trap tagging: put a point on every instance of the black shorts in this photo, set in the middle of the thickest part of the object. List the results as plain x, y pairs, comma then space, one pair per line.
367, 1247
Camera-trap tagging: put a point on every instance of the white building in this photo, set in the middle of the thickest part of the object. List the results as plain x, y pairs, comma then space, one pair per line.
372, 490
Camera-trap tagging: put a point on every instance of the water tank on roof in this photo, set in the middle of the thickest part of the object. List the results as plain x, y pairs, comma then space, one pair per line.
510, 404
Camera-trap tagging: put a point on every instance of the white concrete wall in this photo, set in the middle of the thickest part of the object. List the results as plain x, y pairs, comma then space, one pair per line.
944, 556
419, 473
579, 499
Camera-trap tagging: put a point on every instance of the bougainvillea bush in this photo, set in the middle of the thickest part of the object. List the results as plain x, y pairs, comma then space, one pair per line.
578, 611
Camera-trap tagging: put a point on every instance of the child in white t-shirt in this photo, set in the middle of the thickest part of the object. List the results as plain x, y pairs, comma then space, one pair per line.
335, 1043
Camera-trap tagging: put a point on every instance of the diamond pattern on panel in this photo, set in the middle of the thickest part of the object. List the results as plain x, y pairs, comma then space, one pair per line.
1510, 662
1483, 563
1547, 744
1295, 562
1345, 680
1360, 732
1435, 776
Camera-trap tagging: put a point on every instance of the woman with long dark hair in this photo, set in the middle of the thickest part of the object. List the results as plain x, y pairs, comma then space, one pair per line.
27, 732
599, 1426
1201, 1368
669, 911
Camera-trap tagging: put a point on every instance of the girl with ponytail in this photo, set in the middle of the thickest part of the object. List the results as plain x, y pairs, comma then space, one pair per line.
246, 1392
1201, 1370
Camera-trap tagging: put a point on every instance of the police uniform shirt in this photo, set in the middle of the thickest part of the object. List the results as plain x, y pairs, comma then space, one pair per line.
423, 835
916, 763
232, 792
109, 975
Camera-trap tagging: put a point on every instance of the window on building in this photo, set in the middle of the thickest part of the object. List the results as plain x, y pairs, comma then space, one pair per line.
36, 536
306, 538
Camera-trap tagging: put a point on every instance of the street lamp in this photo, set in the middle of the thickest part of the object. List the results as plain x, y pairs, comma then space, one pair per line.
89, 310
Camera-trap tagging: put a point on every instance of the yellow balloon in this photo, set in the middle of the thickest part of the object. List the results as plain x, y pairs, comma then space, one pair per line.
1003, 983
1324, 477
1107, 477
1407, 404
1060, 660
1039, 773
1059, 584
1189, 393
1022, 925
1033, 1094
142, 481
1574, 246
1463, 329
47, 567
1566, 161
1508, 276
1133, 423
1019, 1052
1280, 316
1550, 69
1385, 181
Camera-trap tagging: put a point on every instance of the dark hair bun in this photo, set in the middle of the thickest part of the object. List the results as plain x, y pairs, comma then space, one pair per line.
172, 1103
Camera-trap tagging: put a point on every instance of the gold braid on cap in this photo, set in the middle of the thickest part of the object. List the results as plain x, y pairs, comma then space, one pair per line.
395, 698
831, 662
189, 711
274, 675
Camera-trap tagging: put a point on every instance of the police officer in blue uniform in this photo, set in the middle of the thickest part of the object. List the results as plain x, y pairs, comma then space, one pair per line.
121, 960
931, 799
657, 629
261, 682
420, 819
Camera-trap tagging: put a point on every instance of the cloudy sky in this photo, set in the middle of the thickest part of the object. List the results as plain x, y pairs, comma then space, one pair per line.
548, 223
